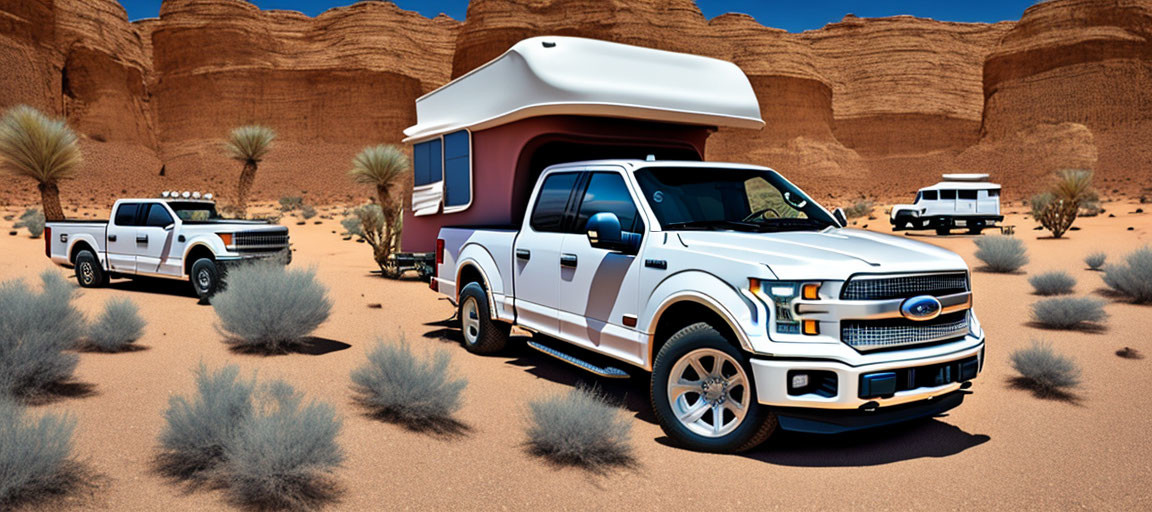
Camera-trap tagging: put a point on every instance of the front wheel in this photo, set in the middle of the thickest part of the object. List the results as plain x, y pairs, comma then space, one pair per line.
205, 279
703, 395
89, 273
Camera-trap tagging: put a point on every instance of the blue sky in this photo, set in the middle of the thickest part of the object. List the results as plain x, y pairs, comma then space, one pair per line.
794, 16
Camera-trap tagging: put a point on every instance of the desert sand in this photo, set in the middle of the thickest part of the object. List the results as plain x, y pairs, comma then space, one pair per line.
1002, 449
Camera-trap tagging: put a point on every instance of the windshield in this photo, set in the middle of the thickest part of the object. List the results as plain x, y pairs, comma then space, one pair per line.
733, 199
194, 211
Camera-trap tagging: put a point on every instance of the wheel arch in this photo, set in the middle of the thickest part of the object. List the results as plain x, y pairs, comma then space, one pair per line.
194, 252
81, 244
687, 309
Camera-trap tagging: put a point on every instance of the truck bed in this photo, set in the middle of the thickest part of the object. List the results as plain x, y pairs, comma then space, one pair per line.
482, 243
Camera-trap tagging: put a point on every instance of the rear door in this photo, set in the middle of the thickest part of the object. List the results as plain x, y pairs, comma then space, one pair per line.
121, 245
989, 202
154, 239
598, 304
536, 253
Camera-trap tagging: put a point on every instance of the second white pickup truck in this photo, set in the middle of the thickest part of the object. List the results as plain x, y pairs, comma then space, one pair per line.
174, 238
752, 306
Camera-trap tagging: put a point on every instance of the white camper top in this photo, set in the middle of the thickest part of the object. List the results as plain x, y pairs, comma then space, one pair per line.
976, 181
553, 75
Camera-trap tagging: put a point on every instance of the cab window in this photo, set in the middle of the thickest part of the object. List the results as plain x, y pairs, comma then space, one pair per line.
126, 214
552, 201
158, 216
607, 192
929, 195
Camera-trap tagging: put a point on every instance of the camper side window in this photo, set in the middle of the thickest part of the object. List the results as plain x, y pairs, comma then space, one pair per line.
929, 195
968, 195
948, 195
427, 161
457, 171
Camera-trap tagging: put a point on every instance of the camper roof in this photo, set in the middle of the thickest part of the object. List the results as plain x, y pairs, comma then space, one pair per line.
554, 75
963, 185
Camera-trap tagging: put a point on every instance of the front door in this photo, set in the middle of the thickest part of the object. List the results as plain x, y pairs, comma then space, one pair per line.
536, 254
154, 240
121, 248
598, 301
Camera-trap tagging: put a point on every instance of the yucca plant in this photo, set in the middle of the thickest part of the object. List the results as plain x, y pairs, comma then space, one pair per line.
248, 145
1057, 209
41, 148
383, 167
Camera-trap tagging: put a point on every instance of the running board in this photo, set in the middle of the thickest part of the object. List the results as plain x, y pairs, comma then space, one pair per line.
606, 372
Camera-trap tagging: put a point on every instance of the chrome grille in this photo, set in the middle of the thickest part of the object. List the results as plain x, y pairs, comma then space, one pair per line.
260, 241
886, 288
890, 333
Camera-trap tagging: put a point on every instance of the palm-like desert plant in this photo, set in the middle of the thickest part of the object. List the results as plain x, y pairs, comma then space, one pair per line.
248, 145
41, 148
1057, 209
384, 167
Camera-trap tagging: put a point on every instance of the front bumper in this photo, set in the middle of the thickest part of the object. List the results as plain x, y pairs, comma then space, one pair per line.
282, 256
824, 421
772, 380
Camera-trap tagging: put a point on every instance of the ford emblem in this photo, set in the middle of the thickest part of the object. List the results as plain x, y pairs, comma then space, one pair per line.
923, 307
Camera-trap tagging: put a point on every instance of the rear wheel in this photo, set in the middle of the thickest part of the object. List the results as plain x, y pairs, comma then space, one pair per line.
482, 335
205, 279
703, 395
943, 231
89, 273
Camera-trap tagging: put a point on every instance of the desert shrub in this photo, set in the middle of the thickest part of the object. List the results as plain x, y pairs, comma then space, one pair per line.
283, 456
291, 203
1057, 208
33, 221
35, 455
1091, 209
1132, 277
861, 208
1001, 253
581, 428
35, 331
399, 385
1068, 312
1045, 371
1095, 260
1052, 283
198, 428
307, 212
118, 326
270, 307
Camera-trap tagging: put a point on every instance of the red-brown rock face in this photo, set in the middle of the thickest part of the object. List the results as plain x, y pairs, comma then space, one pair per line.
862, 106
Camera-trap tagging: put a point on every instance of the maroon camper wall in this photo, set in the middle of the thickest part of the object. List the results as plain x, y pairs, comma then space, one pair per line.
507, 159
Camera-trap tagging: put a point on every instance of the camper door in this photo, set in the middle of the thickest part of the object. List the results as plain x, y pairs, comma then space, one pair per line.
966, 201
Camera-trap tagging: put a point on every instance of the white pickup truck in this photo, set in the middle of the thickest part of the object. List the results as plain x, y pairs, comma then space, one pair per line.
752, 306
175, 238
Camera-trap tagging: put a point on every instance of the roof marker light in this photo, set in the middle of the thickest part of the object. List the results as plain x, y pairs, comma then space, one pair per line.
195, 195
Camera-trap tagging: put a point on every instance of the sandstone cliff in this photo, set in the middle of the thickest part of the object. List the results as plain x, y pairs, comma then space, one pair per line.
863, 106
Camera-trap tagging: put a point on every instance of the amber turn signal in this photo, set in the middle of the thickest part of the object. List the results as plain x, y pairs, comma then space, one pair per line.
811, 291
226, 237
811, 327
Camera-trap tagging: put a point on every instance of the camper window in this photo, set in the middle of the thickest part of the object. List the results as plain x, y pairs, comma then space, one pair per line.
929, 195
552, 200
948, 194
427, 163
457, 171
993, 192
968, 194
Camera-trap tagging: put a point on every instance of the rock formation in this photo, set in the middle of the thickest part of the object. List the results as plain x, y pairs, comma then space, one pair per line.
872, 107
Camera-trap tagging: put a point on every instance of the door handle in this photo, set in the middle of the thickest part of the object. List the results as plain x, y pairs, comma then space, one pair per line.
111, 238
568, 260
523, 254
142, 239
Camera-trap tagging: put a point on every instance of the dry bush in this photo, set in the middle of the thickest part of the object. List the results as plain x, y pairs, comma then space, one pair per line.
1052, 283
1044, 371
1057, 209
36, 331
117, 327
1068, 312
580, 428
35, 456
1001, 254
861, 208
198, 428
418, 392
270, 308
33, 221
1133, 277
1095, 260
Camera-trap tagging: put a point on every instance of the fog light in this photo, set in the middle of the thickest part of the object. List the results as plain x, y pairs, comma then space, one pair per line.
800, 380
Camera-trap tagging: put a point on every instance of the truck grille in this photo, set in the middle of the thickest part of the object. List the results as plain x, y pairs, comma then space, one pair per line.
899, 332
887, 288
261, 241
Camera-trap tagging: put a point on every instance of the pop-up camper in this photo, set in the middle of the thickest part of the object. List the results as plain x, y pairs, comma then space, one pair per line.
481, 141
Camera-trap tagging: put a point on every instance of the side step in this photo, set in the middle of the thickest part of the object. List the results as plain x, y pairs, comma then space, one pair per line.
606, 372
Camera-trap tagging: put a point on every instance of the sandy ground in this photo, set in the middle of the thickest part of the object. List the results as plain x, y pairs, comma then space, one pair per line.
1002, 449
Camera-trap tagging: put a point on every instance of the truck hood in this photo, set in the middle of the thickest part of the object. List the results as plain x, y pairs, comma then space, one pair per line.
832, 254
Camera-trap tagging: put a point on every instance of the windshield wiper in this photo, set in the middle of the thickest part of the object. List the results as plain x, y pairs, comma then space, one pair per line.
717, 223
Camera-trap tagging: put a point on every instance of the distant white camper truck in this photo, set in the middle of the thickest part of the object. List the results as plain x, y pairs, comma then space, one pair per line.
961, 201
563, 190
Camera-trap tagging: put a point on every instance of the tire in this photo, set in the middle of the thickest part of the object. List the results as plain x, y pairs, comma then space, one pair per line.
481, 334
700, 343
975, 231
943, 231
89, 273
206, 279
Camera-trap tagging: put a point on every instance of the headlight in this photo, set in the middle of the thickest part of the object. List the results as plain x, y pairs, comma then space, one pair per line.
780, 295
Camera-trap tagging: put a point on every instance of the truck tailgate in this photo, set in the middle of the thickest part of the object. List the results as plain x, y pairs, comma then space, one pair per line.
488, 248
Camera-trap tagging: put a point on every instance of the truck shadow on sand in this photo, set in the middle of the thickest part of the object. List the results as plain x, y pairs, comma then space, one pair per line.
154, 285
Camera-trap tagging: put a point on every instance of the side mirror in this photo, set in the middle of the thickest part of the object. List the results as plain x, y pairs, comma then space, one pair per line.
604, 233
838, 214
